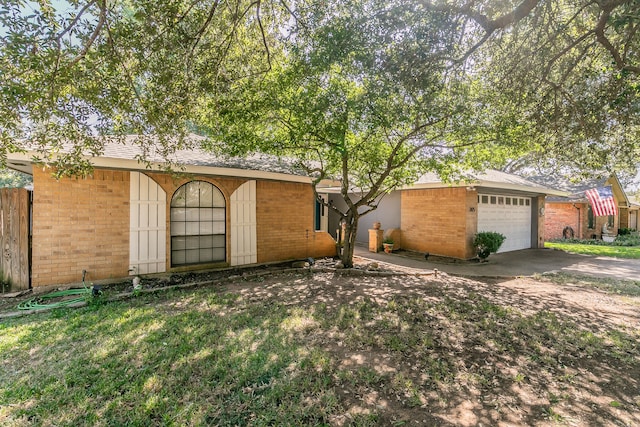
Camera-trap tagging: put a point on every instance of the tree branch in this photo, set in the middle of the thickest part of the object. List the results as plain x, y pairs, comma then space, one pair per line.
262, 33
75, 20
604, 41
203, 28
102, 18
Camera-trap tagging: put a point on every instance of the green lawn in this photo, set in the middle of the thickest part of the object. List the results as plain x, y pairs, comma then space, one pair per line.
632, 252
322, 349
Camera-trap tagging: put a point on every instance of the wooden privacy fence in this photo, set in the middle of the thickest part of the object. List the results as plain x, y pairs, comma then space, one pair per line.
14, 239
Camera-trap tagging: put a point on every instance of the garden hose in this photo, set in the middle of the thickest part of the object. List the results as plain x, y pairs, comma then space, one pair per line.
40, 302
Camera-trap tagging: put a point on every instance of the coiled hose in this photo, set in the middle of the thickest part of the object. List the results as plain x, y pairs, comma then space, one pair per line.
41, 302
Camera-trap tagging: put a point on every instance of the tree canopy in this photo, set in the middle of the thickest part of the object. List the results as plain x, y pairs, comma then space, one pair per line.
10, 179
568, 71
97, 67
356, 96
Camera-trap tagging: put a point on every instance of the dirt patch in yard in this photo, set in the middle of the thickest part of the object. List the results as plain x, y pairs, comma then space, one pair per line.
452, 351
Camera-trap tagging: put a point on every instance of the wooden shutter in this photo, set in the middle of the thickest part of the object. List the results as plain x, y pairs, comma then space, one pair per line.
244, 247
148, 229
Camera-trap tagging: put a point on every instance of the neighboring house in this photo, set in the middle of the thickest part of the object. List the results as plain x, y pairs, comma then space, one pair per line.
572, 215
442, 219
126, 219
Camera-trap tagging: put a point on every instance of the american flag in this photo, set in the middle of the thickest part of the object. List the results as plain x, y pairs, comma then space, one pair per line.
602, 201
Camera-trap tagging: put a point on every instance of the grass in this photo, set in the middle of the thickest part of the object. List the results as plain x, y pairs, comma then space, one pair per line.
260, 354
612, 286
632, 252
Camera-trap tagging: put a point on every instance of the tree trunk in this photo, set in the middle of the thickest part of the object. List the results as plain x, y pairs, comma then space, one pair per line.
349, 241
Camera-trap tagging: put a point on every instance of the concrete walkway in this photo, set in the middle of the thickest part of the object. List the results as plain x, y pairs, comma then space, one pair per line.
520, 263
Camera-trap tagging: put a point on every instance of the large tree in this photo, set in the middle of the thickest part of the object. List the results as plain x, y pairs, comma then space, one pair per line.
572, 72
364, 92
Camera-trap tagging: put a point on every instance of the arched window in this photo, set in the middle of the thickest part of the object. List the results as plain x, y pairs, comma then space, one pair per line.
198, 224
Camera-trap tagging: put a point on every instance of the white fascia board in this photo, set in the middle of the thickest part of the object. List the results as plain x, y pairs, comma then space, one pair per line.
20, 162
492, 185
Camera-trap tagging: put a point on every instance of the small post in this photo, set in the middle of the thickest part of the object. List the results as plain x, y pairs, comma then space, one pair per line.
375, 239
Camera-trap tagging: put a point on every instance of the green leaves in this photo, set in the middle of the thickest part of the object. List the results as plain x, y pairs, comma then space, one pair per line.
74, 71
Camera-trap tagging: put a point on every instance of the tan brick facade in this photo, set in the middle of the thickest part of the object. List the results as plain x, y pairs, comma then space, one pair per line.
539, 242
440, 221
83, 223
80, 224
285, 223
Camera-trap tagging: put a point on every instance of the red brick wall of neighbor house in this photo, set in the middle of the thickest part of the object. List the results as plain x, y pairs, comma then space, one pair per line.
80, 224
557, 216
285, 217
439, 221
560, 215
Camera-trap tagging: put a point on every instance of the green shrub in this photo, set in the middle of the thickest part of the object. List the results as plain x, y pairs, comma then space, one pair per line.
624, 231
627, 240
487, 242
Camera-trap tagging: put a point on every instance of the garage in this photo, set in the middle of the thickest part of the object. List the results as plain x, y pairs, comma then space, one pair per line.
509, 215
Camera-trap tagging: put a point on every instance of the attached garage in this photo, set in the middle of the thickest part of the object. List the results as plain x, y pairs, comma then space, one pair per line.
442, 219
509, 215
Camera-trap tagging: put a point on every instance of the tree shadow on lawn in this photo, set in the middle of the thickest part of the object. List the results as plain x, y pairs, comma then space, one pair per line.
326, 348
481, 352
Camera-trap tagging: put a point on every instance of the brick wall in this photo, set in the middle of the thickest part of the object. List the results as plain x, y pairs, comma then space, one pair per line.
80, 224
557, 216
560, 215
538, 242
624, 217
439, 221
83, 223
285, 217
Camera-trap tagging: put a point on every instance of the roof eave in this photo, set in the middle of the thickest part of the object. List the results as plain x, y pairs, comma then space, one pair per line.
489, 184
24, 162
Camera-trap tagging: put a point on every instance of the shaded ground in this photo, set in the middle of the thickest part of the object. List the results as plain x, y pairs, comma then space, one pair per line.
514, 352
403, 349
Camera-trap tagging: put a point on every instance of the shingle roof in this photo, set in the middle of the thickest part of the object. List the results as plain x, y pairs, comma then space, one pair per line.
197, 156
492, 178
575, 189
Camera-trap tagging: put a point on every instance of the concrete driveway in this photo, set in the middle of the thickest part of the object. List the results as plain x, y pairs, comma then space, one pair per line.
520, 263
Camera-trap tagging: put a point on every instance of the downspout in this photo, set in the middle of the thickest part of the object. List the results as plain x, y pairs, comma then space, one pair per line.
579, 222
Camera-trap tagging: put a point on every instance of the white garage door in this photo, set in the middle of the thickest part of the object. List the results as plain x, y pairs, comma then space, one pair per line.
509, 215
